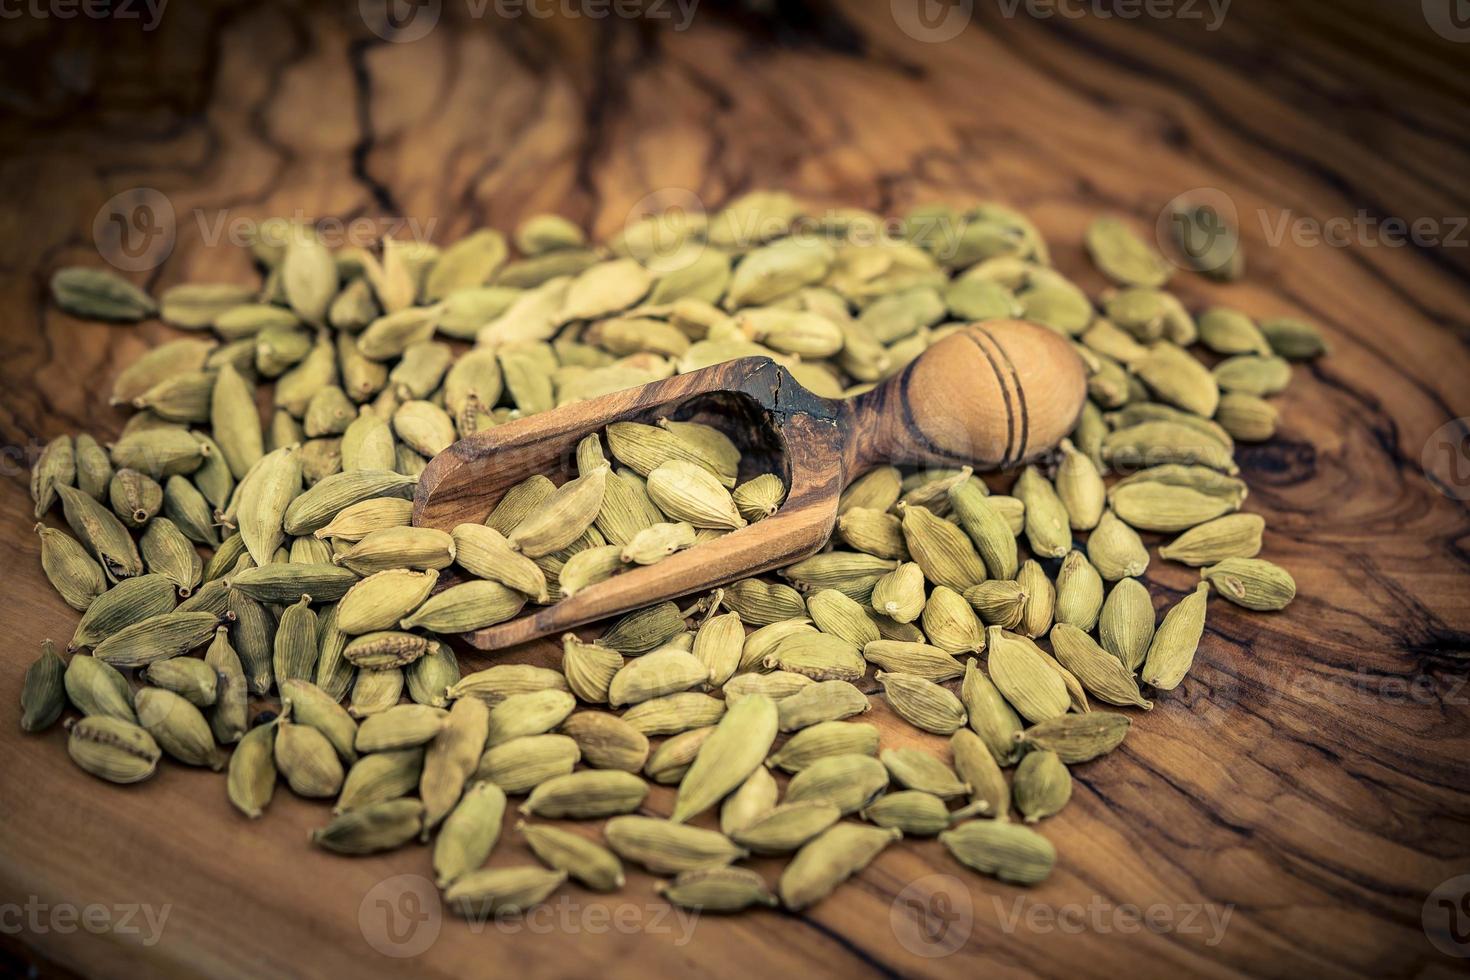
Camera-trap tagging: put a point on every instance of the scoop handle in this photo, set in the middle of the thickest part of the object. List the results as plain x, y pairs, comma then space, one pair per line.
989, 395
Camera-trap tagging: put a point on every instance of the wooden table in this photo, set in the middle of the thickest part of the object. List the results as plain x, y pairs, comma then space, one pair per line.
1309, 780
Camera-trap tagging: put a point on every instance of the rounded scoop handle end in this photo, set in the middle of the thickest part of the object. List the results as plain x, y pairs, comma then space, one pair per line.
989, 396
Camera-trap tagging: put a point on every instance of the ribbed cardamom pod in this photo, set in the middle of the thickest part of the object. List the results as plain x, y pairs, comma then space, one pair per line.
669, 848
493, 892
1171, 652
900, 595
607, 741
1116, 550
452, 758
759, 498
688, 492
589, 669
674, 713
941, 549
823, 701
102, 533
586, 861
562, 517
178, 727
1008, 851
976, 764
655, 674
1104, 676
296, 643
1041, 597
919, 659
818, 656
1252, 582
912, 811
761, 603
522, 764
531, 713
717, 890
847, 781
873, 532
72, 572
193, 680
380, 776
950, 623
371, 828
112, 749
1079, 592
587, 794
400, 727
1022, 674
43, 695
840, 616
1231, 536
375, 690
917, 769
1048, 525
830, 859
494, 684
157, 638
251, 780
737, 747
1126, 626
1078, 738
824, 739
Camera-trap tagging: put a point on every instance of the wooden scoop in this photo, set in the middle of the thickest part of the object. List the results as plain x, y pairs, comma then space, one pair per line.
988, 396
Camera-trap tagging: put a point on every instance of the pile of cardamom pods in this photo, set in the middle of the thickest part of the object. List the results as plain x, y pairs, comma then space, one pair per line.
283, 549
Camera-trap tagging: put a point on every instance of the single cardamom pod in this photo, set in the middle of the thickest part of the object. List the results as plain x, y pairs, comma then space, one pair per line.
112, 749
911, 811
607, 741
469, 833
1116, 550
496, 892
917, 769
664, 847
918, 659
586, 795
1126, 626
1078, 738
1230, 536
1171, 652
1252, 582
251, 779
849, 781
522, 764
43, 695
830, 859
1008, 851
1021, 673
822, 701
372, 828
178, 727
1104, 676
588, 862
977, 765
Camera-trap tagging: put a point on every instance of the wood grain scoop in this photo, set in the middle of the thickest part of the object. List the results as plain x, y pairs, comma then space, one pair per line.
989, 396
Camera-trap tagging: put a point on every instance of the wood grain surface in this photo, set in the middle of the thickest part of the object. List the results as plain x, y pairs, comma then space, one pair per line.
1311, 778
